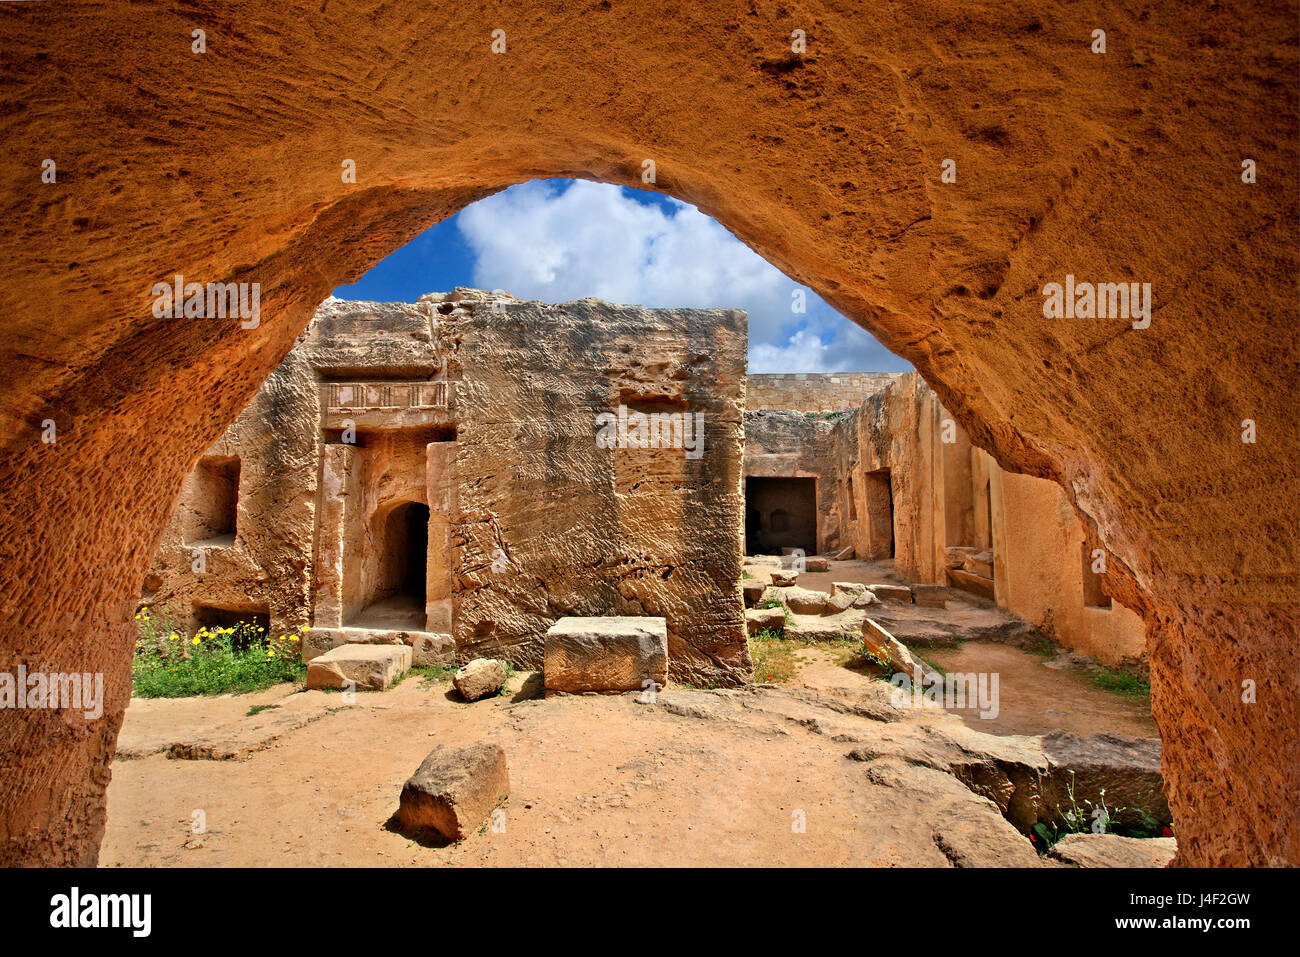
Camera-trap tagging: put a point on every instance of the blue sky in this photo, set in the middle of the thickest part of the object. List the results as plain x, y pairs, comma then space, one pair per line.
557, 240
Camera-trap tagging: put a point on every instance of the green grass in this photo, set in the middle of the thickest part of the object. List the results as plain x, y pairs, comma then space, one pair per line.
258, 709
1120, 682
234, 660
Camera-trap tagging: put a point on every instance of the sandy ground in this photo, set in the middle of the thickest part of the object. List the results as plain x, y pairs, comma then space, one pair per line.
693, 778
697, 778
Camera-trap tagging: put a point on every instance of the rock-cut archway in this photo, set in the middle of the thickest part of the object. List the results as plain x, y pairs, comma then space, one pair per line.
227, 163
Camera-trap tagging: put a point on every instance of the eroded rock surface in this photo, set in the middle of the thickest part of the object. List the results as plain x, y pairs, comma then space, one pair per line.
1068, 163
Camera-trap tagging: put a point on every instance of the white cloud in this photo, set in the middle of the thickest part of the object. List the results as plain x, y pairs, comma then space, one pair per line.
540, 240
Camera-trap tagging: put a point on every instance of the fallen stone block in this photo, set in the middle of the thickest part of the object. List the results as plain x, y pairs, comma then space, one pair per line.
805, 601
753, 591
455, 790
368, 667
931, 596
1112, 850
480, 678
900, 594
429, 650
971, 583
784, 579
840, 601
764, 619
824, 627
888, 648
844, 554
980, 564
320, 640
816, 564
605, 654
957, 554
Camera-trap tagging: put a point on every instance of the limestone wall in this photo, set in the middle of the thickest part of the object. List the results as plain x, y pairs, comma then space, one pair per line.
488, 419
552, 525
900, 477
814, 391
260, 569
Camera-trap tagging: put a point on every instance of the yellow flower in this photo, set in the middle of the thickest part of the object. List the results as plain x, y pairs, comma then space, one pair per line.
195, 641
295, 638
172, 637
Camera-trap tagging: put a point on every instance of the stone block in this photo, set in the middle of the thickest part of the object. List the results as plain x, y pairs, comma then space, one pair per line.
931, 596
455, 790
784, 579
480, 678
816, 564
605, 654
1112, 850
429, 650
369, 667
805, 601
900, 594
753, 591
764, 619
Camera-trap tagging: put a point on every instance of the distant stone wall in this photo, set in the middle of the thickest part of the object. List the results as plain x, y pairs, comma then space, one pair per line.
814, 391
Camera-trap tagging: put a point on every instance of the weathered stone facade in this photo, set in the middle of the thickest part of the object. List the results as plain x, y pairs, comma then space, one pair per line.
899, 478
814, 391
430, 474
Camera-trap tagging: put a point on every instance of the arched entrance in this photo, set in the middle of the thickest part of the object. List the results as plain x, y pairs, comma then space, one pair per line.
828, 163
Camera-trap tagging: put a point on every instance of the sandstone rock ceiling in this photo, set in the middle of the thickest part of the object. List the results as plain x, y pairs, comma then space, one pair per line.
1122, 166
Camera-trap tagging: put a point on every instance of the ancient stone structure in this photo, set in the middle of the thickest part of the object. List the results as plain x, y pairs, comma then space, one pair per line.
431, 475
813, 391
225, 166
899, 478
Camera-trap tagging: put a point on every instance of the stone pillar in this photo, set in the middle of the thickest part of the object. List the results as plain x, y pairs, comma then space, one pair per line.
440, 485
331, 535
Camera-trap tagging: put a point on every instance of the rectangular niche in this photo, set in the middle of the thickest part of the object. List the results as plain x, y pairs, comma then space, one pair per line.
211, 502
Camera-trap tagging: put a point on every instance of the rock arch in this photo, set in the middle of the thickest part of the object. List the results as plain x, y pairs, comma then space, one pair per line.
1123, 166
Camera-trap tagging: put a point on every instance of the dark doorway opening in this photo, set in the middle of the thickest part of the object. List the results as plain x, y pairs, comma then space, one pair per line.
780, 513
401, 570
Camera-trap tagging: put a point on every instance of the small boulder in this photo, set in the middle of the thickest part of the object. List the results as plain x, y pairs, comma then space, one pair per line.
480, 678
980, 564
816, 564
753, 591
844, 554
784, 579
764, 619
455, 790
